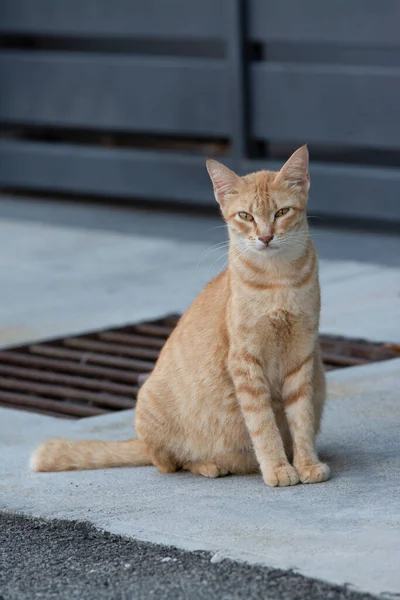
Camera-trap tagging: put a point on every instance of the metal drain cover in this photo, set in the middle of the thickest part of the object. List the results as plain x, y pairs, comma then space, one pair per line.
101, 372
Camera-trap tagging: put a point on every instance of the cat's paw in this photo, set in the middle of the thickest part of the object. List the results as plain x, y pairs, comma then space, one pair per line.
206, 469
313, 473
211, 470
281, 476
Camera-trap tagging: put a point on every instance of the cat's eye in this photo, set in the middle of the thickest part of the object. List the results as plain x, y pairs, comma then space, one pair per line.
245, 216
281, 212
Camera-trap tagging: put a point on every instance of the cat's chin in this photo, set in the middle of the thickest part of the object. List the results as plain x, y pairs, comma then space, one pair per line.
279, 253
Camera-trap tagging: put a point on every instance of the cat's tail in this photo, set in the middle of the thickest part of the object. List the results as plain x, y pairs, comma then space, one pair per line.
73, 455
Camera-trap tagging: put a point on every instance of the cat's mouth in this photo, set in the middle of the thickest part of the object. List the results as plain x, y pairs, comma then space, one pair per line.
269, 248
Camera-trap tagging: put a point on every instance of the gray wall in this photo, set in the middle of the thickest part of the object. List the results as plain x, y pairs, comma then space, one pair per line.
125, 98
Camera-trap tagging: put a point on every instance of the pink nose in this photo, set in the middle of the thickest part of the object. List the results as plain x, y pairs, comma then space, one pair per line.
266, 239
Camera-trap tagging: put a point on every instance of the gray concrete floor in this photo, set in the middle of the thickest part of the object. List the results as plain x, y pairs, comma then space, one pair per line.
342, 531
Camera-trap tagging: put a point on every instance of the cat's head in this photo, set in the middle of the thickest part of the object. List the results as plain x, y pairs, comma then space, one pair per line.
265, 211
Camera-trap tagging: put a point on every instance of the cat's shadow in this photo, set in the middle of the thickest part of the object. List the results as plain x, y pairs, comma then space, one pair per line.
352, 460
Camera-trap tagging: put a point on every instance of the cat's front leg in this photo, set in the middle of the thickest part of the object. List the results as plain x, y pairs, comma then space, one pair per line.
254, 397
297, 395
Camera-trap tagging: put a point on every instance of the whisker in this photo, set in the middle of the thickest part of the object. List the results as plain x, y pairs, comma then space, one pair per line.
217, 227
244, 252
213, 248
216, 260
222, 268
312, 234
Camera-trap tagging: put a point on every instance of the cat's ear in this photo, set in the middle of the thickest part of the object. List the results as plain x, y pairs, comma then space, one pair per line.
295, 170
224, 180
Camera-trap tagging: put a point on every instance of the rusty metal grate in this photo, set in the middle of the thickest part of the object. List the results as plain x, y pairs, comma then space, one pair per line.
97, 373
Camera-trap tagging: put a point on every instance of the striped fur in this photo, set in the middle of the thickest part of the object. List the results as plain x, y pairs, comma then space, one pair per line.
239, 386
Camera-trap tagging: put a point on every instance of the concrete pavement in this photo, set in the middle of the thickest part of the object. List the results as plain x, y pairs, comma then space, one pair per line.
342, 531
59, 280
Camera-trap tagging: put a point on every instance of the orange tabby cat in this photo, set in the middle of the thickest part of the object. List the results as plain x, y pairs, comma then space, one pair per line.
239, 386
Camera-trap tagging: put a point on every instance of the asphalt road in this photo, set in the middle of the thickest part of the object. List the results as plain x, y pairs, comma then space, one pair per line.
66, 560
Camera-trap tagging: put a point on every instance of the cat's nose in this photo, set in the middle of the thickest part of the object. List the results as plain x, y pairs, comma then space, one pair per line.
266, 239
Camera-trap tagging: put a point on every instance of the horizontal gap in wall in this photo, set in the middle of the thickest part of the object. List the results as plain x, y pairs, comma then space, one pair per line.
196, 145
158, 47
319, 153
135, 202
316, 221
327, 53
120, 140
217, 49
351, 224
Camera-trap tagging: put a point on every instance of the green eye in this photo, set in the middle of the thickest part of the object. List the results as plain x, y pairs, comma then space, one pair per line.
281, 212
245, 216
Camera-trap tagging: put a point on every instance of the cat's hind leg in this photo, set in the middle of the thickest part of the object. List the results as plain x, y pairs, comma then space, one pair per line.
164, 461
153, 425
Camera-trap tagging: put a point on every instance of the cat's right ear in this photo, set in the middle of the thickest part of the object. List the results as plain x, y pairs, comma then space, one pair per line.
224, 180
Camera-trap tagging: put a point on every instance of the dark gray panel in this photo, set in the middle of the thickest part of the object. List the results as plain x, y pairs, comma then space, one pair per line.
122, 18
346, 54
141, 94
349, 191
322, 104
346, 191
342, 21
104, 172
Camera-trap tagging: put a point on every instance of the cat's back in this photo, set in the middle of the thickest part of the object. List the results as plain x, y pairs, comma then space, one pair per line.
199, 342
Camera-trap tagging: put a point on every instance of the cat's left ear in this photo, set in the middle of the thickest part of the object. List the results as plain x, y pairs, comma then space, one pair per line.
295, 171
224, 180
